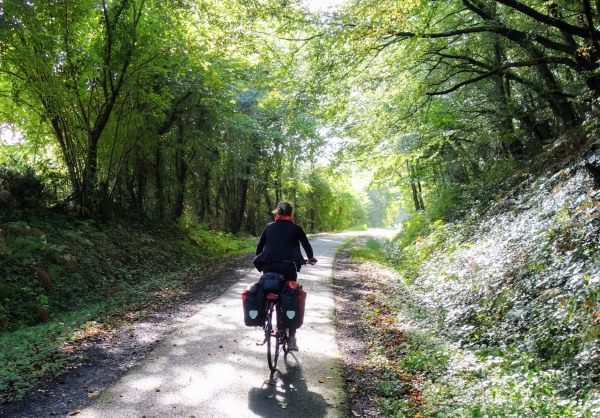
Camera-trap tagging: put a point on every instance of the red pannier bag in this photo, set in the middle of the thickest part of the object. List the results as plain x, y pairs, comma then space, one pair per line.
292, 300
254, 303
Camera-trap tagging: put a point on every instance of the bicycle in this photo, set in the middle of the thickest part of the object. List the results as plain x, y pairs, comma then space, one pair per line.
279, 333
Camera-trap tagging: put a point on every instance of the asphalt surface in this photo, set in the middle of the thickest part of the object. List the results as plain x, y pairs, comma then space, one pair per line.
211, 366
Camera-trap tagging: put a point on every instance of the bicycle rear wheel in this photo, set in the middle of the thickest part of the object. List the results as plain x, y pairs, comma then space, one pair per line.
272, 348
282, 332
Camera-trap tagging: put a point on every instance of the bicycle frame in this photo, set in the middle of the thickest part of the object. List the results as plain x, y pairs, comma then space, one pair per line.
278, 334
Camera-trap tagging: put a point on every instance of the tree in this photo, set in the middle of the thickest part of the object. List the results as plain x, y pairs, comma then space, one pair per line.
456, 91
70, 63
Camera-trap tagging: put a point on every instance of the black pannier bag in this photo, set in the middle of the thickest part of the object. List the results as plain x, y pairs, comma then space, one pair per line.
272, 282
255, 305
292, 300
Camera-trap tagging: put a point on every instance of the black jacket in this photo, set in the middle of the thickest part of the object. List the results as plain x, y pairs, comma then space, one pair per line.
280, 241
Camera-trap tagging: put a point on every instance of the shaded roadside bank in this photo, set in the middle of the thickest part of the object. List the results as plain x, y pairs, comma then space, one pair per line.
102, 360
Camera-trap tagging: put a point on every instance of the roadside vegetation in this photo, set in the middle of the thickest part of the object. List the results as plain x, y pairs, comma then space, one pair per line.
496, 315
66, 280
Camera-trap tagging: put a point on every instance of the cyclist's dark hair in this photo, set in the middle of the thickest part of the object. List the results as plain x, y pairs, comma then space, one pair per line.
284, 209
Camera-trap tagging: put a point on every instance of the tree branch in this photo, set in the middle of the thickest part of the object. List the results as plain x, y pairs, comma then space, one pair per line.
503, 69
587, 10
549, 20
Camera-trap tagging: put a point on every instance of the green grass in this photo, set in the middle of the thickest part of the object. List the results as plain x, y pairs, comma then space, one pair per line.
355, 228
372, 250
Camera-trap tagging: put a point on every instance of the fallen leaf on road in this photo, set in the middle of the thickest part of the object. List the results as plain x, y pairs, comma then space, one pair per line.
358, 368
269, 396
76, 412
283, 405
92, 394
156, 389
321, 380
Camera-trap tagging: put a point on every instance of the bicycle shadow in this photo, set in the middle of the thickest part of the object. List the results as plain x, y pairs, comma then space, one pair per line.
286, 394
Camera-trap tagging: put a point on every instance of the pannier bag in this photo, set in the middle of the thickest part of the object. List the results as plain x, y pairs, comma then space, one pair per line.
292, 300
272, 282
255, 305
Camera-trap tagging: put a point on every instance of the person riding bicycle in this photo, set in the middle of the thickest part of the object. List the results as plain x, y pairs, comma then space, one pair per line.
278, 250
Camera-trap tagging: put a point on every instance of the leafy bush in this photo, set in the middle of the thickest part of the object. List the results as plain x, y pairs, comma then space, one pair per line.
19, 189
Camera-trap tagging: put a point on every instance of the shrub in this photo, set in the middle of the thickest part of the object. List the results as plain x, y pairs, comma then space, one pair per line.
19, 189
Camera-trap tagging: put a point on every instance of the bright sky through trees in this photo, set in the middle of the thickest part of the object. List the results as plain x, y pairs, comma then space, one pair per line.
323, 4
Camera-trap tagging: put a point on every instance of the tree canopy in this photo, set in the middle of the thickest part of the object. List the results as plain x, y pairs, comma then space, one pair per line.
214, 111
457, 94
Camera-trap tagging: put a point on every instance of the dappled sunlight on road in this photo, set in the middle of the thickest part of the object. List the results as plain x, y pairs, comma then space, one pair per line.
211, 366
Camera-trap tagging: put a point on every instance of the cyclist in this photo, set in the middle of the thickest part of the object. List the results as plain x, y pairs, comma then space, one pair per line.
278, 250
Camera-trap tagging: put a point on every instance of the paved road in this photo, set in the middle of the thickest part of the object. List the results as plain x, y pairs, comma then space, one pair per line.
212, 367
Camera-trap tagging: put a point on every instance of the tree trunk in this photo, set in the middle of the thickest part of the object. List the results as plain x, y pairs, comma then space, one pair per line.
416, 188
88, 197
420, 195
181, 172
507, 129
239, 208
415, 195
140, 190
203, 211
158, 178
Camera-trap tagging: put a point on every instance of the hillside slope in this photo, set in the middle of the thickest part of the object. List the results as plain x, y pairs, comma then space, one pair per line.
66, 280
517, 287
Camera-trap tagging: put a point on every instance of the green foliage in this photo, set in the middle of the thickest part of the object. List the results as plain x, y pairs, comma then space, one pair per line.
371, 251
28, 355
448, 130
499, 310
426, 371
19, 189
325, 202
417, 240
217, 244
158, 109
62, 279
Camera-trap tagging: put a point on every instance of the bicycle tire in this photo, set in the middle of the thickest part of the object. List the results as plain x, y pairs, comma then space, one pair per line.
272, 352
283, 333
